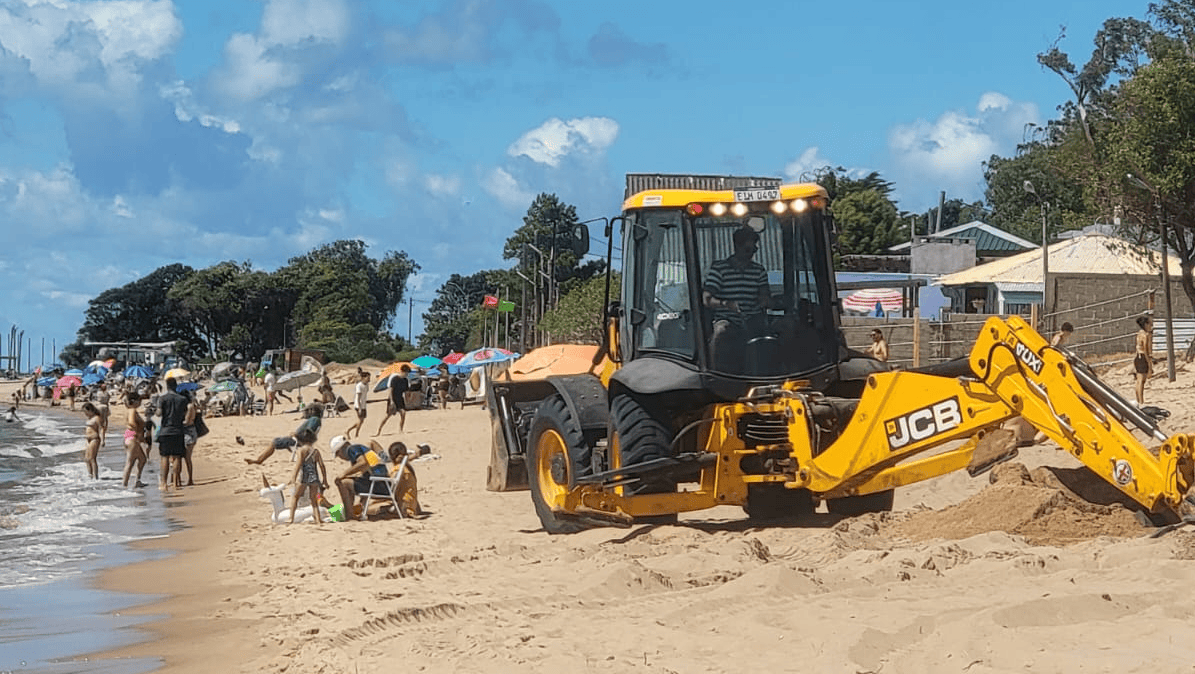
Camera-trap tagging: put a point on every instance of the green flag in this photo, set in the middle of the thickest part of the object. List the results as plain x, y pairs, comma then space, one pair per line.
506, 305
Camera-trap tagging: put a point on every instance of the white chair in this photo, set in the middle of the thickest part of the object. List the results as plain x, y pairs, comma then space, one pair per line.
390, 482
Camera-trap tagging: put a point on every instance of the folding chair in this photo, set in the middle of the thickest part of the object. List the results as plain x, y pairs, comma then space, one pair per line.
391, 483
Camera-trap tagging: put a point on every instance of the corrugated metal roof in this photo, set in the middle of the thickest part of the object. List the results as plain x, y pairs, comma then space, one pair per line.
988, 239
1088, 254
640, 182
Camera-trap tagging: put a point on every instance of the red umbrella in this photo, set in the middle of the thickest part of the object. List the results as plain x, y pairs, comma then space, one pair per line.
864, 301
453, 358
64, 383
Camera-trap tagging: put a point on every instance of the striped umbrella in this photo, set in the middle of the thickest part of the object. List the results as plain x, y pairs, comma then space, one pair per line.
864, 301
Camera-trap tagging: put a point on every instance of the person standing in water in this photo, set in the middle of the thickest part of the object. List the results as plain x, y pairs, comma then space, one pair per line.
91, 435
134, 452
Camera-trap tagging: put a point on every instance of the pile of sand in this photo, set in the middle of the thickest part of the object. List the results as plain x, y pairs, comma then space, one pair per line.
1048, 506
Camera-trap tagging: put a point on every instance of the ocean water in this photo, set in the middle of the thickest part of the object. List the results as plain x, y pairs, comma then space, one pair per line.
58, 529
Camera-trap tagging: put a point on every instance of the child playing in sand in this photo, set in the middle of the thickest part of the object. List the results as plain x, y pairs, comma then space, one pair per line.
311, 475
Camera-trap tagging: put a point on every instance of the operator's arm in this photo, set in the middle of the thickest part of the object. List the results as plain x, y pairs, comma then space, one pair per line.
707, 297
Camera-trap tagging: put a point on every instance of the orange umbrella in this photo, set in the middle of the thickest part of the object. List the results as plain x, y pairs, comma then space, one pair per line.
394, 368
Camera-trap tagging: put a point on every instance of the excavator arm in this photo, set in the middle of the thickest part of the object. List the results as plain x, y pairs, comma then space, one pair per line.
904, 415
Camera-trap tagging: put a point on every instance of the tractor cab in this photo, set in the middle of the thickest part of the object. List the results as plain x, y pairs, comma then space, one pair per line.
736, 284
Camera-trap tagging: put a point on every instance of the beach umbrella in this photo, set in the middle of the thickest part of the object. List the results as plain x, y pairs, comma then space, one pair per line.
92, 378
221, 387
74, 372
394, 368
176, 373
64, 382
296, 379
485, 356
138, 371
865, 301
426, 362
222, 371
46, 381
452, 358
187, 386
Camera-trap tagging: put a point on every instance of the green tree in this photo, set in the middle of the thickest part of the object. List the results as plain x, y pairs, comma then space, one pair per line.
337, 283
578, 317
451, 322
868, 223
141, 311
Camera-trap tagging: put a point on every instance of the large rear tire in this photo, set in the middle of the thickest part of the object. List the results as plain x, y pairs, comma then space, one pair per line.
850, 506
772, 502
641, 437
556, 456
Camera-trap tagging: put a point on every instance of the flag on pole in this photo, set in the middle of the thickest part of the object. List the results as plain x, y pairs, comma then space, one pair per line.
491, 302
506, 305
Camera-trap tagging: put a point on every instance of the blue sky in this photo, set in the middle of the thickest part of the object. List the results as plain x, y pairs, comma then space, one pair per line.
139, 133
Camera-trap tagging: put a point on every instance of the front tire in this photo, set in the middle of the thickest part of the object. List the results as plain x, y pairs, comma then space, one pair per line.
641, 437
557, 455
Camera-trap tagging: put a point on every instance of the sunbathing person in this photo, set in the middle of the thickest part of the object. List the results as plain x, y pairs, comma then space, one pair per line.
306, 434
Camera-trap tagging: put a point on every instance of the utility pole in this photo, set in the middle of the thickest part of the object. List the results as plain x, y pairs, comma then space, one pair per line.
1045, 252
410, 314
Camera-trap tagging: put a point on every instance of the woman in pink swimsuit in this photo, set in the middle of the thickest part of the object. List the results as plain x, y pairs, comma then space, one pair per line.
134, 426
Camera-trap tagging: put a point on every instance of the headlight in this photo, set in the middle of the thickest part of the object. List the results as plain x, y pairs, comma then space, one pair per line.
739, 209
717, 210
799, 205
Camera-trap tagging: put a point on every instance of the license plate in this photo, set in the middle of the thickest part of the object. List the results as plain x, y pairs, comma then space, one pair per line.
757, 194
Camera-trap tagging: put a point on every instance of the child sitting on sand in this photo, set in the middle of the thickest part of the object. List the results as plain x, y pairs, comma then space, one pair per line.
311, 475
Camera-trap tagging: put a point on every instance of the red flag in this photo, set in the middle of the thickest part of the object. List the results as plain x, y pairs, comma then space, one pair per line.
490, 302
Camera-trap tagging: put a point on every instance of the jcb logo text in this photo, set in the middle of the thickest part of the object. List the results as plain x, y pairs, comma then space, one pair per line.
923, 423
1030, 359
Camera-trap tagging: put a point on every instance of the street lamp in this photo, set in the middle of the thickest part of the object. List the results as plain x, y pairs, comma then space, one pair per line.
1045, 250
1138, 182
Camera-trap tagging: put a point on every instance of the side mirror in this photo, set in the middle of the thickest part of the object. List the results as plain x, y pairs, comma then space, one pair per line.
579, 240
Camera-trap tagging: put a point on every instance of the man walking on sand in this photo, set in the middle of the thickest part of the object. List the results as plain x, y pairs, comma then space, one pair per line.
171, 441
359, 402
396, 403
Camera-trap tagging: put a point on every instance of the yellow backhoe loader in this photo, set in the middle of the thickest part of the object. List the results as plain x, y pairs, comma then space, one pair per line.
728, 382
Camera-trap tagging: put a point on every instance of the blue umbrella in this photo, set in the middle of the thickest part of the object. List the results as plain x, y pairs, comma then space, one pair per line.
187, 386
138, 371
74, 372
46, 381
92, 378
426, 362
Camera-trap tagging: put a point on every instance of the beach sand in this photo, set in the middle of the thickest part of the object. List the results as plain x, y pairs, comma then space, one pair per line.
965, 576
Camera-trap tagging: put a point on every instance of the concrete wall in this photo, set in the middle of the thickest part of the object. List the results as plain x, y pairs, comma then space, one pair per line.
1104, 308
941, 256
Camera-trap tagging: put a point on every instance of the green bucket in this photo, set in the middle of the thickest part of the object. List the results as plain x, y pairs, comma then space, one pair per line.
336, 512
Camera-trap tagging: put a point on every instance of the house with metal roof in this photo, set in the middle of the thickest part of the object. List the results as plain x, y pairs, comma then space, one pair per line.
990, 241
1011, 285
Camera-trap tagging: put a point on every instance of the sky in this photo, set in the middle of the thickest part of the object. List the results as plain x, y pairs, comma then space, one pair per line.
140, 133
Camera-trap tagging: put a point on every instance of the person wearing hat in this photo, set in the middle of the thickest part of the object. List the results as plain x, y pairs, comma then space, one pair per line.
355, 481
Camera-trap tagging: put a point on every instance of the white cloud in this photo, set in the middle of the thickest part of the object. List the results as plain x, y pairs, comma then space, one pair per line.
292, 22
554, 139
250, 72
804, 165
442, 186
949, 152
120, 207
506, 189
186, 109
65, 43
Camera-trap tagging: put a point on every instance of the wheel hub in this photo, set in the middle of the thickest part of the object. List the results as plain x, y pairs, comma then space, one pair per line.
559, 470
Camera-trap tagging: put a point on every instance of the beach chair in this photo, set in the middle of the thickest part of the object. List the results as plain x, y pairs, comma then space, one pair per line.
391, 483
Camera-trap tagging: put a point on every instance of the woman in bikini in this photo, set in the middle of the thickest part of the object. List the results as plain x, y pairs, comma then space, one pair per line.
134, 427
91, 434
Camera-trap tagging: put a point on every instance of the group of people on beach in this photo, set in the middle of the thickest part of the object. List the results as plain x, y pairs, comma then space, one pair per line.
181, 427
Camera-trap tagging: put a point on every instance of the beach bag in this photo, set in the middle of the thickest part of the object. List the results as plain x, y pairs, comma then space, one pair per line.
201, 428
341, 405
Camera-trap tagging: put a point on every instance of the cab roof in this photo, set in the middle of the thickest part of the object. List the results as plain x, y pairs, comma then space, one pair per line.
664, 198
